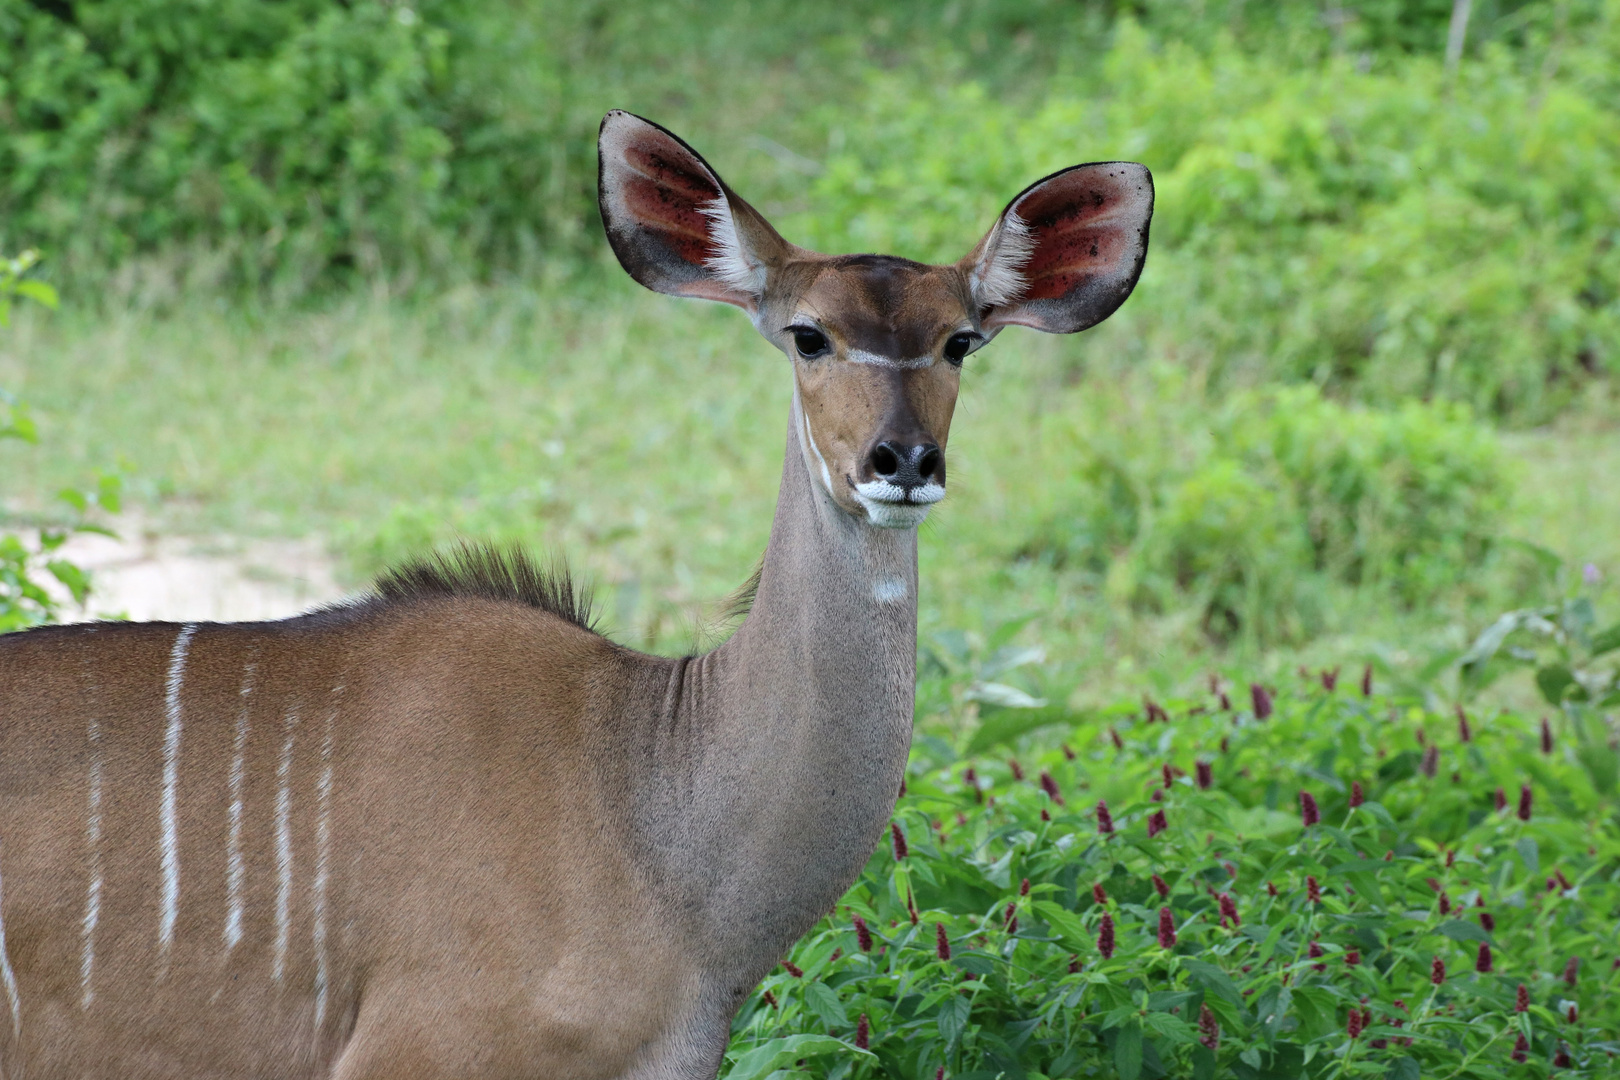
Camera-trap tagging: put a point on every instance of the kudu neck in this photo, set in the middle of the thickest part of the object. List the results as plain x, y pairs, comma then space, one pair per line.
802, 723
848, 588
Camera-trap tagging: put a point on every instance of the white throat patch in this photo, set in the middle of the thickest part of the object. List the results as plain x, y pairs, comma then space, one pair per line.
889, 590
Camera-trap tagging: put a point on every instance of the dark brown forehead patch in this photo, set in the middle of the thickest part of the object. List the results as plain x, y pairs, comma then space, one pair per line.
885, 305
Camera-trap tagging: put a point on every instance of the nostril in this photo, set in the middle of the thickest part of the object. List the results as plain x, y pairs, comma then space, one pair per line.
885, 462
929, 463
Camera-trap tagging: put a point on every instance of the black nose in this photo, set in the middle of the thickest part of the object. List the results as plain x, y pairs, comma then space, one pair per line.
908, 466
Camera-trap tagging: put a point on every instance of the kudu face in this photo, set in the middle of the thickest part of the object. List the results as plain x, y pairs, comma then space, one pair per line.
877, 342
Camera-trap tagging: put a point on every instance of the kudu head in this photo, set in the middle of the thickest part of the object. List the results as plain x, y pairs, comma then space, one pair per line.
877, 342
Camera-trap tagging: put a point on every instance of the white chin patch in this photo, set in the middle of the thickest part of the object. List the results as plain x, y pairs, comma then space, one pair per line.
889, 506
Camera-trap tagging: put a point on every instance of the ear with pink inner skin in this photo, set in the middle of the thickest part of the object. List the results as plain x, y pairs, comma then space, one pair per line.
1066, 252
672, 221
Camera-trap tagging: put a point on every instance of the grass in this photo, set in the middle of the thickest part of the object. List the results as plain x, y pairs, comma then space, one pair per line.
643, 437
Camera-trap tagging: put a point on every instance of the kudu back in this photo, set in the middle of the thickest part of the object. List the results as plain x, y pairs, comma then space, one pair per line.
447, 830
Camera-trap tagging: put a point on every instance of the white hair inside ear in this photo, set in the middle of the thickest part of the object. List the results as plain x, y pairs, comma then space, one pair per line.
733, 263
997, 277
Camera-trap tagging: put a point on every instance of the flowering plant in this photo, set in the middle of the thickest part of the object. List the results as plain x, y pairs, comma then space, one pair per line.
1325, 884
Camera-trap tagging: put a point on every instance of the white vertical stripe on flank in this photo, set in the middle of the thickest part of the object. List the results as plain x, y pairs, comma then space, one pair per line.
171, 786
7, 976
284, 852
235, 871
92, 838
323, 837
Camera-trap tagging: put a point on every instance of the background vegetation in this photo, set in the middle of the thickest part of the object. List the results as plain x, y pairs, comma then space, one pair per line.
336, 269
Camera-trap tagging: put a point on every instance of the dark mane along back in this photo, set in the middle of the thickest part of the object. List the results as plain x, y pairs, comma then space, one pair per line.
490, 573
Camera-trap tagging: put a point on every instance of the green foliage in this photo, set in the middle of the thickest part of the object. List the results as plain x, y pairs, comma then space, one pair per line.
13, 284
1431, 869
1575, 661
301, 133
1253, 504
1571, 654
1393, 229
26, 556
1334, 205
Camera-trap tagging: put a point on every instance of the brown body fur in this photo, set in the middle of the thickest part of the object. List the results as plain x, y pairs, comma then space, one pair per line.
435, 777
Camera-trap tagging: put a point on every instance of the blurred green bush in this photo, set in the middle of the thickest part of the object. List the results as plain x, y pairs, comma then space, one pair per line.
30, 543
1255, 506
1334, 205
1394, 230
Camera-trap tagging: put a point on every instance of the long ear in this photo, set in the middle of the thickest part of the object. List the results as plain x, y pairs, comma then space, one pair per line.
1067, 251
672, 221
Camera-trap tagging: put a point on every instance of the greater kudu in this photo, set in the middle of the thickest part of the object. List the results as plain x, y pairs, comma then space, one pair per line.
449, 831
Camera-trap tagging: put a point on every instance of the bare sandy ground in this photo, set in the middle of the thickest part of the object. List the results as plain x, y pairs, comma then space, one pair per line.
144, 576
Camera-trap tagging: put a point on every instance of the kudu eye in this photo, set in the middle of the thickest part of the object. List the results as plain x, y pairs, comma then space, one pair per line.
810, 342
959, 346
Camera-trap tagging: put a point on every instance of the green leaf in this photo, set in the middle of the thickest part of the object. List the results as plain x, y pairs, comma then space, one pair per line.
1002, 696
1171, 1027
37, 291
1529, 852
1359, 866
75, 579
1066, 923
953, 1017
1606, 640
1405, 1068
1554, 681
1005, 632
765, 1058
1203, 1063
822, 1001
1210, 977
1128, 1052
1602, 764
1273, 1010
1458, 930
1269, 946
1002, 725
1317, 1010
976, 962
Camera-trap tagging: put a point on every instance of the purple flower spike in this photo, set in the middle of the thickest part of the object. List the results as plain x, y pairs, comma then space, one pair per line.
1307, 809
1209, 1029
1167, 929
1105, 936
